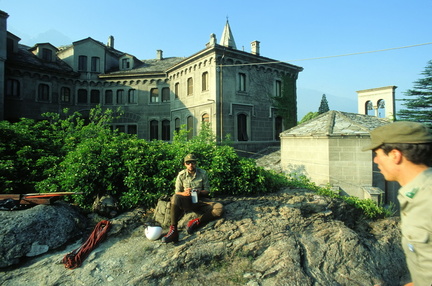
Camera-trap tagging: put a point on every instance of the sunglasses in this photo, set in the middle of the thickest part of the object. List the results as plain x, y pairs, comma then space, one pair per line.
190, 162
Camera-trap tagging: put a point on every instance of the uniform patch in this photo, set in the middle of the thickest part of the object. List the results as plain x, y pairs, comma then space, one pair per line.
412, 193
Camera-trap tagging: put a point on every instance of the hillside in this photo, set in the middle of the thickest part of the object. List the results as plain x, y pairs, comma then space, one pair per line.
291, 237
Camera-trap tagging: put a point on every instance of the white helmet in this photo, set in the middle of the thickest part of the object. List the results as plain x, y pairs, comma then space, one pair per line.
153, 232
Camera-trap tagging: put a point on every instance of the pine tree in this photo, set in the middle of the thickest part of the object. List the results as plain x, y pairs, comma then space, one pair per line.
419, 106
324, 105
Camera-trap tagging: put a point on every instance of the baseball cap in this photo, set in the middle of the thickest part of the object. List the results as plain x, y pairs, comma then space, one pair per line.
399, 132
190, 157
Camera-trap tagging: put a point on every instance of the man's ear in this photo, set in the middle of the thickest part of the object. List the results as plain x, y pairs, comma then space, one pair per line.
396, 156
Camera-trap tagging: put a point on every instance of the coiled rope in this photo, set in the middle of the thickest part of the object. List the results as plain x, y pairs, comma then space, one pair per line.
75, 258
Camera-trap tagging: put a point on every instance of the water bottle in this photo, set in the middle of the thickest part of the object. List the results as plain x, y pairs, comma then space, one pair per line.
194, 195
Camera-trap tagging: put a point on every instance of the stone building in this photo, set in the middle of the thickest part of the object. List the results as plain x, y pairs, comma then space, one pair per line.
229, 88
328, 150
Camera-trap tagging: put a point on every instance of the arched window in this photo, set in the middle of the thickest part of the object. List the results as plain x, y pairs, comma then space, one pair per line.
165, 94
190, 86
176, 90
95, 96
177, 125
120, 97
204, 81
369, 110
205, 117
154, 95
189, 127
166, 130
381, 108
82, 95
242, 127
109, 97
154, 129
132, 99
13, 88
65, 94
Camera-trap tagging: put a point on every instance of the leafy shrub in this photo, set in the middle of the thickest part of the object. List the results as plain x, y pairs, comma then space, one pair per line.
73, 156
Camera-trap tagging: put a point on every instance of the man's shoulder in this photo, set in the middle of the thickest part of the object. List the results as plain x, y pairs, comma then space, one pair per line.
202, 171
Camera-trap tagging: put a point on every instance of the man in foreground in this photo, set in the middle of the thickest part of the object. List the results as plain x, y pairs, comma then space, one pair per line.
403, 153
191, 194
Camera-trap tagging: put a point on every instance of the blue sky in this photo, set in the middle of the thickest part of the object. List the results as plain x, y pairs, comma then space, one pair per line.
291, 31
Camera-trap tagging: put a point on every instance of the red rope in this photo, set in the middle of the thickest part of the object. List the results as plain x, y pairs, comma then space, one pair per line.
75, 258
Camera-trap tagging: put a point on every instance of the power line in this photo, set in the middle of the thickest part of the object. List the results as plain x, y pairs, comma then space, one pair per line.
328, 57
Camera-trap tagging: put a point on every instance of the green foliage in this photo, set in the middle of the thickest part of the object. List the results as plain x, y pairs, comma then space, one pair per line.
309, 116
419, 99
369, 208
70, 156
286, 104
324, 107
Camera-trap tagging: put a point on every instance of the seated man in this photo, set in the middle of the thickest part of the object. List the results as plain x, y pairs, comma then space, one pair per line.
189, 180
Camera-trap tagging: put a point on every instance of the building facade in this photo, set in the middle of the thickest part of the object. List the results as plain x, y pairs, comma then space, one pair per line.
231, 89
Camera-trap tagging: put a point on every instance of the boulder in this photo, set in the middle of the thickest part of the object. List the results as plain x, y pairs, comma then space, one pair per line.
36, 230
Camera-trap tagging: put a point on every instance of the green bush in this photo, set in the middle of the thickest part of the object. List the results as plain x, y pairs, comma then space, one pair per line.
70, 155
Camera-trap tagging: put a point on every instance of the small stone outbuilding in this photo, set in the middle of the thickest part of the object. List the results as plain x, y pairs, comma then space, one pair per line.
328, 150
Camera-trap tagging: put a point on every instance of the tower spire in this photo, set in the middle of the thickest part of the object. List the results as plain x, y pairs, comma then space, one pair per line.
227, 38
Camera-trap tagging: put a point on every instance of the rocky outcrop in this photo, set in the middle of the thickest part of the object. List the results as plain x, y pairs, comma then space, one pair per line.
293, 237
34, 231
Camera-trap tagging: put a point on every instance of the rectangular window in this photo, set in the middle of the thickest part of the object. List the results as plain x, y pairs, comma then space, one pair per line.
165, 94
95, 61
12, 88
120, 99
132, 96
242, 82
154, 95
47, 55
278, 91
108, 97
82, 96
132, 129
120, 128
95, 96
125, 64
65, 94
43, 92
82, 63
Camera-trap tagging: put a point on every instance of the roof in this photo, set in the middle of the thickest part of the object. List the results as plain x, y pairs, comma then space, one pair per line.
227, 38
336, 123
28, 60
150, 66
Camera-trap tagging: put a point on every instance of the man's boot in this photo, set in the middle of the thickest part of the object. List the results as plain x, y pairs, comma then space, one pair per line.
192, 225
172, 235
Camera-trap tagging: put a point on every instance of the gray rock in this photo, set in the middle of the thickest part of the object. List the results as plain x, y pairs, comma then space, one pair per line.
293, 237
33, 231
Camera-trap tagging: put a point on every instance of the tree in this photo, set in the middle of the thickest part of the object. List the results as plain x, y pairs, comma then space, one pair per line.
310, 115
324, 105
419, 105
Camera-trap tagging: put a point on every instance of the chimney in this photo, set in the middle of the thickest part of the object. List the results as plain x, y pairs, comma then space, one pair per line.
255, 48
110, 42
159, 54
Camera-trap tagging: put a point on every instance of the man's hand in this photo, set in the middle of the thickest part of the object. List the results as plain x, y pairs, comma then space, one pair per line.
186, 192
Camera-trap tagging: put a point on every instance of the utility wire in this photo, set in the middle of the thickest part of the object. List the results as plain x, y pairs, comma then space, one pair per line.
328, 57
